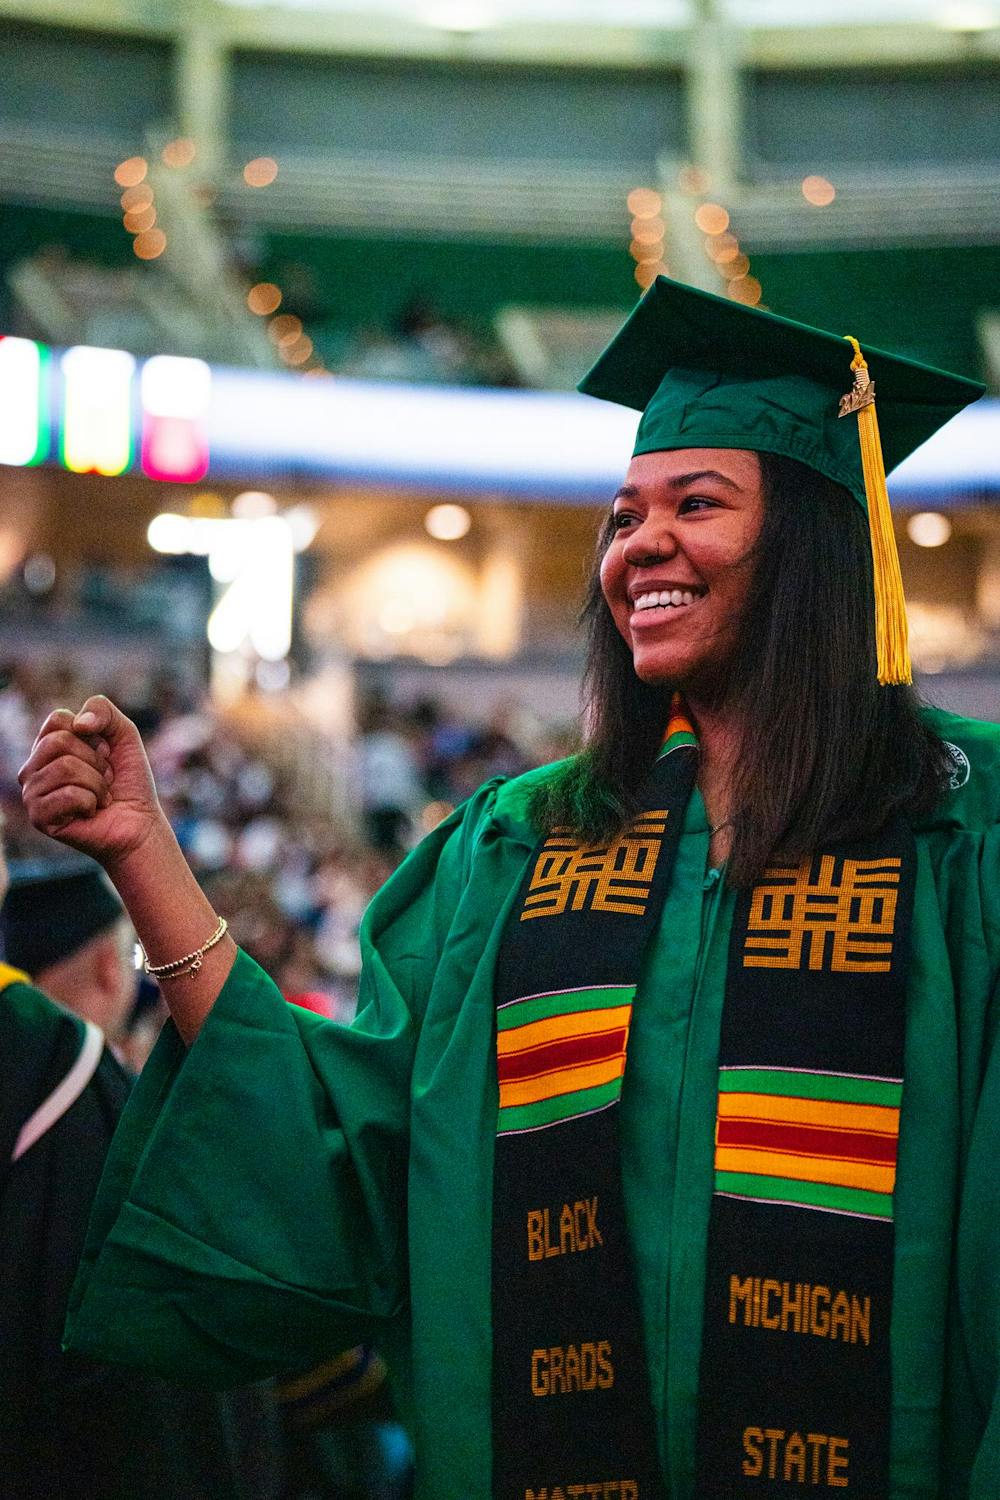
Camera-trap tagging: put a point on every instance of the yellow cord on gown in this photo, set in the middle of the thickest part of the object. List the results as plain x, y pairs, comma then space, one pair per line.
892, 649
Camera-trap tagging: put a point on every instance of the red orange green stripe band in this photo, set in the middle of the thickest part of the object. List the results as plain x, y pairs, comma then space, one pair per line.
805, 1194
808, 1140
809, 1085
567, 1052
561, 1003
562, 1107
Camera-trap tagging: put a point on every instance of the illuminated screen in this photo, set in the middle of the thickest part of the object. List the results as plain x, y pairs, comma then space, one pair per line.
181, 421
175, 400
25, 430
97, 410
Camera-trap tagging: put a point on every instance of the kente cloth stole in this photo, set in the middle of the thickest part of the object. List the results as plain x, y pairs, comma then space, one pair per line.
795, 1388
572, 1415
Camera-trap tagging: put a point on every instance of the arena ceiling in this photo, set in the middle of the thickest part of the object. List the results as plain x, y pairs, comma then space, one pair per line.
476, 15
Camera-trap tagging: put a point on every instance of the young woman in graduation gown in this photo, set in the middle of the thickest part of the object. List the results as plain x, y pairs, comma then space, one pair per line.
739, 1238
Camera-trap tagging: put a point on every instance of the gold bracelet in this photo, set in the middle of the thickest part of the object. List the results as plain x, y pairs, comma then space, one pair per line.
190, 963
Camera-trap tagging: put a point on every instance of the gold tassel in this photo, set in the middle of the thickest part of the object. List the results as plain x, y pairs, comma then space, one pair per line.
891, 646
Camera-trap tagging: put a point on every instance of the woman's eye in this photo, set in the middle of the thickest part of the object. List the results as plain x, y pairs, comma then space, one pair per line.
696, 502
621, 519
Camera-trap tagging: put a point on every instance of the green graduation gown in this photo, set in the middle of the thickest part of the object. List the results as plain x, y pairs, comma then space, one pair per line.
288, 1186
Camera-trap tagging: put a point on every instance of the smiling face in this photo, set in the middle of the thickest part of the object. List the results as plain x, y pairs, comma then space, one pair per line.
678, 570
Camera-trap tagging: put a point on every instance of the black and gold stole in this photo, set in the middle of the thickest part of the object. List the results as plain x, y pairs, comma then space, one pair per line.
572, 1415
795, 1389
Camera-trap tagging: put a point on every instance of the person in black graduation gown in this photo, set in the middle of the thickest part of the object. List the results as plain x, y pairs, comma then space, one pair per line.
68, 1426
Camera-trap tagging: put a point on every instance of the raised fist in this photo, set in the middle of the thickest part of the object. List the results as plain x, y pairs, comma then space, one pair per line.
88, 784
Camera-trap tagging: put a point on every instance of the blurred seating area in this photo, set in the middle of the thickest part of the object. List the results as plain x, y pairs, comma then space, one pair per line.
292, 878
300, 185
422, 347
67, 300
163, 597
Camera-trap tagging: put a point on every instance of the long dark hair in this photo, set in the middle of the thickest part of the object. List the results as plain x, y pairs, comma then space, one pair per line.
827, 754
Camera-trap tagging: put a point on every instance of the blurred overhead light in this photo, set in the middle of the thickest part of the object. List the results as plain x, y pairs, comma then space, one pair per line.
253, 503
446, 523
179, 153
928, 528
138, 220
745, 289
644, 203
396, 617
130, 172
457, 15
150, 244
711, 218
722, 247
303, 522
298, 351
647, 271
648, 231
256, 559
168, 533
264, 298
285, 327
135, 198
207, 505
968, 15
564, 13
415, 598
260, 172
818, 191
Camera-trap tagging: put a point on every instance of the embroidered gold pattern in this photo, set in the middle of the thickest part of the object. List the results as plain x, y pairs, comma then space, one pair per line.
842, 921
610, 877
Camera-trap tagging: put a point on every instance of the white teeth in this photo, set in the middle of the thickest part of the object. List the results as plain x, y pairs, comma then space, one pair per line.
664, 599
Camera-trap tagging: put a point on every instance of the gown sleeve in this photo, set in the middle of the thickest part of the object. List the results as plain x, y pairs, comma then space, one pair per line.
978, 1249
252, 1214
979, 1260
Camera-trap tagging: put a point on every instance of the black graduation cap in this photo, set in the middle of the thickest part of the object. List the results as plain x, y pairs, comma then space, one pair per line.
53, 908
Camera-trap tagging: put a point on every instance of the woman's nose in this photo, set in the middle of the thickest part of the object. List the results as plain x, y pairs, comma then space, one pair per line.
648, 544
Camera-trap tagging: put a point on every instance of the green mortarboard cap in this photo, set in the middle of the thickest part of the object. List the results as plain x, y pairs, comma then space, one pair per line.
707, 372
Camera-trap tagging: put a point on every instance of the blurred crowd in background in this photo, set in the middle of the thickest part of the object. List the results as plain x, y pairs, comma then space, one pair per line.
422, 346
292, 882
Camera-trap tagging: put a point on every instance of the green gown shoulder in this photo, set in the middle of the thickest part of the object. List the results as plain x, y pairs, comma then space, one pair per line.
972, 800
